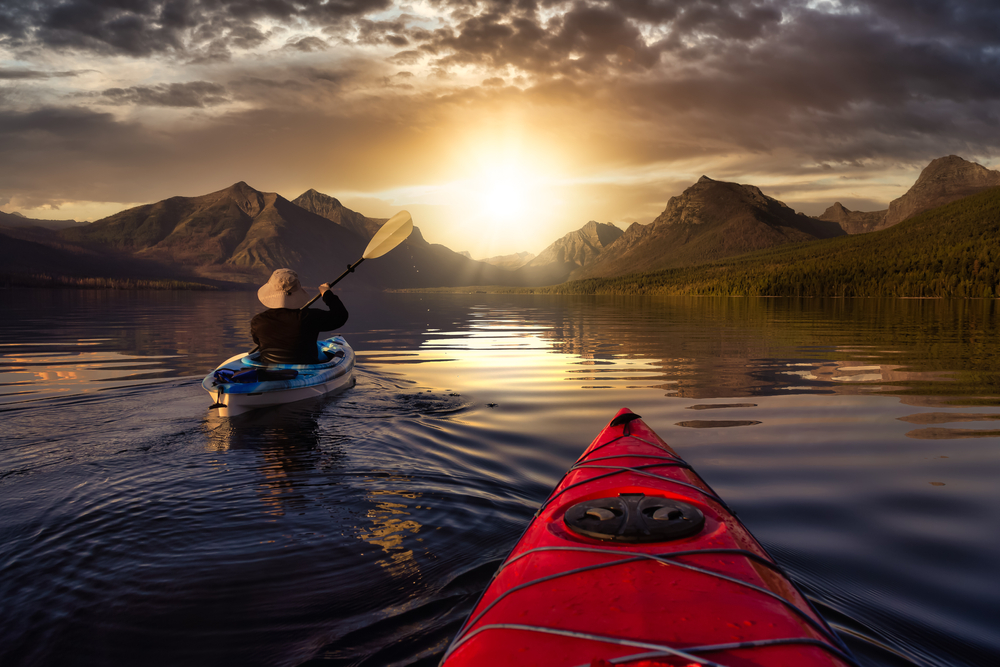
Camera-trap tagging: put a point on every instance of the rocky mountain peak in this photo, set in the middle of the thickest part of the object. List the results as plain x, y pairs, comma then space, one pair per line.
757, 194
248, 199
600, 234
708, 221
853, 222
580, 247
319, 198
836, 213
330, 208
953, 168
944, 180
702, 202
511, 262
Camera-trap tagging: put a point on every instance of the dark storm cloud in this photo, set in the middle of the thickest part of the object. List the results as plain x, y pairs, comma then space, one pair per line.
245, 37
43, 149
601, 36
297, 87
49, 125
842, 81
383, 32
307, 44
488, 41
196, 94
840, 85
593, 38
651, 11
410, 57
873, 49
10, 74
145, 27
52, 156
740, 21
132, 28
976, 21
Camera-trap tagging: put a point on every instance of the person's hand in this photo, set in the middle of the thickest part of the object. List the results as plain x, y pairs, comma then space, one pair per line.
324, 288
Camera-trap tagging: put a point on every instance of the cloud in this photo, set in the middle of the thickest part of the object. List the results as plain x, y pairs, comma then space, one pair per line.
591, 38
246, 37
87, 25
43, 149
384, 32
738, 21
973, 22
196, 94
307, 44
10, 74
141, 28
299, 87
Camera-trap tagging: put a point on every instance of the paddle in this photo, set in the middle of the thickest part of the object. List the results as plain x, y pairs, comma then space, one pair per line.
393, 232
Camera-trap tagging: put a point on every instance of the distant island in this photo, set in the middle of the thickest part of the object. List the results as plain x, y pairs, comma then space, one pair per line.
716, 238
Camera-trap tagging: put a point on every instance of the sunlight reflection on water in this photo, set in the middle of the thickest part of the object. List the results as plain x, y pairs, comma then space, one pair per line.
50, 374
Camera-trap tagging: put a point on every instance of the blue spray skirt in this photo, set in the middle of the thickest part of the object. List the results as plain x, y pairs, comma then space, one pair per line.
244, 383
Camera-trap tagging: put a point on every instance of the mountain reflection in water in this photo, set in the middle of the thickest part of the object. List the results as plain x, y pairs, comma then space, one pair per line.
857, 439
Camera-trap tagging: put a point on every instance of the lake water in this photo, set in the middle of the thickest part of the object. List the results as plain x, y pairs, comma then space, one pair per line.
858, 439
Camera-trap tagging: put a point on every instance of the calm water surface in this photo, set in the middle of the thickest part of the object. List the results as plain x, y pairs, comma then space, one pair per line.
858, 439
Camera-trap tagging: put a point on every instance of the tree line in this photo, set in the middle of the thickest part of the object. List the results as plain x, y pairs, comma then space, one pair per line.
51, 280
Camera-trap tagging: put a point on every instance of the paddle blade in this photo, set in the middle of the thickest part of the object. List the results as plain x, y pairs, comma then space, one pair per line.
393, 232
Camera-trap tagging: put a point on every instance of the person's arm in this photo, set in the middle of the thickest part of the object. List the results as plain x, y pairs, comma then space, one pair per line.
336, 316
253, 331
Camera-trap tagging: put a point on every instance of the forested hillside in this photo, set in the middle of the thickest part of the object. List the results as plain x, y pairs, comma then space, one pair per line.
951, 251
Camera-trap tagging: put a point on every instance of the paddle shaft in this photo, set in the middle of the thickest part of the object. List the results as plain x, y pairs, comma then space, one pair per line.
350, 269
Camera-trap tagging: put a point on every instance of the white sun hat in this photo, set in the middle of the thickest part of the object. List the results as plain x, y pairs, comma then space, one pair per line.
283, 290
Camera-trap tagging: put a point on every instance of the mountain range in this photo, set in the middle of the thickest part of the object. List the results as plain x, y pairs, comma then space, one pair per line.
512, 261
943, 181
947, 251
18, 220
570, 254
238, 235
710, 220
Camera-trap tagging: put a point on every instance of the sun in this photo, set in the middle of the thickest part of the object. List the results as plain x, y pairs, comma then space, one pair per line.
502, 193
505, 190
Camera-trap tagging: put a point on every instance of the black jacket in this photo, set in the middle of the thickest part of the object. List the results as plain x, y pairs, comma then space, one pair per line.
289, 335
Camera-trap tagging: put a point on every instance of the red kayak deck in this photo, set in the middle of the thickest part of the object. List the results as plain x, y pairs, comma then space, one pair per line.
634, 560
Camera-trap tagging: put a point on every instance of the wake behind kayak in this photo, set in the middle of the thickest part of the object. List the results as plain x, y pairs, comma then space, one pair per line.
634, 560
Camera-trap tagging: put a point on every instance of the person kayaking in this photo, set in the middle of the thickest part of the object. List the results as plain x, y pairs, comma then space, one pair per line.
286, 334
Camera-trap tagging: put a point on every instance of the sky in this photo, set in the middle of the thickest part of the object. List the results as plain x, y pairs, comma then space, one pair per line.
499, 125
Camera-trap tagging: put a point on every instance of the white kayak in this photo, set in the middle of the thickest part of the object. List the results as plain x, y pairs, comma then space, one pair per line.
244, 383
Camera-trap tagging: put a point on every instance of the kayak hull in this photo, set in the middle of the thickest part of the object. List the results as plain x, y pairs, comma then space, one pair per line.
311, 381
634, 560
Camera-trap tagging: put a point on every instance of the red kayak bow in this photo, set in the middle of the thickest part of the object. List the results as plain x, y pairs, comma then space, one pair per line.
634, 560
